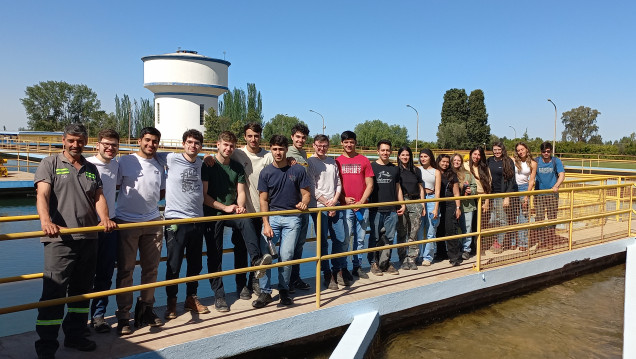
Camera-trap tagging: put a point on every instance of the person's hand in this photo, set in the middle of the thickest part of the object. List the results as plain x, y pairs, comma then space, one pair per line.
301, 206
401, 210
331, 213
458, 213
240, 210
350, 200
506, 202
524, 204
108, 225
291, 161
50, 229
208, 160
230, 209
435, 213
424, 211
468, 191
267, 230
331, 203
555, 188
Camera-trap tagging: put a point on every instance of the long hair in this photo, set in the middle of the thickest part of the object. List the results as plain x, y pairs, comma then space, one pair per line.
449, 174
518, 159
409, 165
508, 169
482, 168
461, 171
430, 155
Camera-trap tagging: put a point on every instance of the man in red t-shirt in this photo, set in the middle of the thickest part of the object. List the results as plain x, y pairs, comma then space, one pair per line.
357, 185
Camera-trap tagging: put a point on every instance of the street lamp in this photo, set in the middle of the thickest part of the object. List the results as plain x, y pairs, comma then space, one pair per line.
323, 120
555, 121
514, 130
417, 129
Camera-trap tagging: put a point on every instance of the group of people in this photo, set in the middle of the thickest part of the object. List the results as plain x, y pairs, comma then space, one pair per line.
73, 191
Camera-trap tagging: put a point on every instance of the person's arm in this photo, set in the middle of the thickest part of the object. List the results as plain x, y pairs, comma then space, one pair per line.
561, 177
102, 211
458, 203
264, 200
304, 202
211, 202
438, 191
241, 197
368, 181
42, 206
400, 197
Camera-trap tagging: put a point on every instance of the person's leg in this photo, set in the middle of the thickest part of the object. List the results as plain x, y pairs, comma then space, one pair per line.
413, 217
298, 251
240, 259
324, 242
175, 244
361, 232
214, 245
374, 236
80, 282
453, 247
290, 225
402, 234
194, 255
337, 235
106, 259
149, 257
431, 225
389, 222
265, 281
127, 247
466, 223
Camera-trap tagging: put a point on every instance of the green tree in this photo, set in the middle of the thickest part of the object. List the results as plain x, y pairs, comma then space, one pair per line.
280, 125
123, 115
477, 127
335, 140
52, 105
464, 120
580, 124
241, 108
214, 125
369, 133
143, 115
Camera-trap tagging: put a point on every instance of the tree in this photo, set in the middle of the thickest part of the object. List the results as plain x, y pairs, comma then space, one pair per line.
464, 122
214, 125
123, 115
477, 127
281, 125
335, 139
580, 124
369, 133
52, 105
242, 109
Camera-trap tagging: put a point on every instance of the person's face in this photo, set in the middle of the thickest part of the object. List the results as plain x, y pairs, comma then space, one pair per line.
522, 151
546, 154
349, 145
298, 139
457, 162
108, 148
253, 139
192, 146
384, 152
321, 148
497, 151
278, 152
149, 144
225, 148
425, 160
475, 157
404, 157
444, 163
74, 145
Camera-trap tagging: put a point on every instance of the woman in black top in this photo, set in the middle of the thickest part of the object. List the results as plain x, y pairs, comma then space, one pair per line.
409, 222
502, 170
450, 210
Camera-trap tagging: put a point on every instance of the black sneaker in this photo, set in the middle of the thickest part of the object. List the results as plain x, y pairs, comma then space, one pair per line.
347, 277
264, 260
123, 327
357, 272
140, 308
333, 281
262, 300
326, 277
301, 285
221, 305
245, 294
405, 265
81, 344
100, 325
151, 318
285, 299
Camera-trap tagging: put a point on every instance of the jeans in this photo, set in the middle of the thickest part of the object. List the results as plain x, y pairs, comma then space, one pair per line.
106, 258
465, 226
334, 227
300, 243
429, 225
356, 232
379, 220
186, 237
285, 230
522, 217
498, 218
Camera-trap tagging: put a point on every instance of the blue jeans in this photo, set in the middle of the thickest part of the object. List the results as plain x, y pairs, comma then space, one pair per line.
522, 217
300, 243
356, 230
498, 218
429, 225
285, 230
334, 227
106, 257
379, 220
465, 226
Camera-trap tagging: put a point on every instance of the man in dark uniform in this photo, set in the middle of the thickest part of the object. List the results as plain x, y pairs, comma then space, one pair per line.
69, 195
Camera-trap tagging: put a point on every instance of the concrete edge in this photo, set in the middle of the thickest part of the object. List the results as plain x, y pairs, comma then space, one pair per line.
358, 338
629, 325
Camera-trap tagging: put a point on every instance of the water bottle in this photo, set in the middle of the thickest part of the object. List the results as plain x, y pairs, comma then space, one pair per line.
272, 248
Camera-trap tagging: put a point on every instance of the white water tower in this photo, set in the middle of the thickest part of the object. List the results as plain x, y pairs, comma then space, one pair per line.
185, 85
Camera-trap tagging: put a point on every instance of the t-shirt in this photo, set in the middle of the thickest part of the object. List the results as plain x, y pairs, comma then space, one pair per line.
141, 181
353, 172
299, 155
184, 190
496, 173
253, 164
324, 177
548, 173
108, 174
72, 200
283, 185
410, 182
447, 185
384, 186
222, 183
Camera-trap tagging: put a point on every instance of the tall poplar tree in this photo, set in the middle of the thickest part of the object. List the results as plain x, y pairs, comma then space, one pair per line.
477, 127
464, 122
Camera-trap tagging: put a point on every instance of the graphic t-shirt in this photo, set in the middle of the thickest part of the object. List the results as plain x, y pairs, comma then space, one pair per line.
184, 190
384, 188
547, 173
283, 185
353, 171
222, 182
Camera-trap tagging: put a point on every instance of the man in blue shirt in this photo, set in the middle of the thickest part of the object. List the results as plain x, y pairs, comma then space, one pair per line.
550, 175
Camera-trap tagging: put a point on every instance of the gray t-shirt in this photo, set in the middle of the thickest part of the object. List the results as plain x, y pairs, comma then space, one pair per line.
184, 190
141, 181
72, 200
108, 174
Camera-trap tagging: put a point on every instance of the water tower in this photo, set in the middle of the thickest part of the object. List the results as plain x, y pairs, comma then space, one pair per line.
185, 85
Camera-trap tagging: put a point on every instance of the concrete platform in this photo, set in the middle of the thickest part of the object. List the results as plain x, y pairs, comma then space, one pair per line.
17, 182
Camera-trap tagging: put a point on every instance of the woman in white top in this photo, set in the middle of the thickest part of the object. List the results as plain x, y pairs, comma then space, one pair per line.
525, 172
432, 179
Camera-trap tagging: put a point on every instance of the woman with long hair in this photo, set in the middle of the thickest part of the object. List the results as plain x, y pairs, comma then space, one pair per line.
503, 181
468, 186
409, 222
451, 210
525, 172
432, 180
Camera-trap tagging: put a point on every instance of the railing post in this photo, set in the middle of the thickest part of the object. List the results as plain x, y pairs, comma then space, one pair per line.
479, 210
318, 226
618, 198
571, 219
631, 212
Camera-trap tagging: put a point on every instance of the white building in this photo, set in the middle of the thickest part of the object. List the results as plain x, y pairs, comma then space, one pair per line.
185, 85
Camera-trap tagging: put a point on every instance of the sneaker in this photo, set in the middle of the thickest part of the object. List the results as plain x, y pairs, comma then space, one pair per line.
100, 325
347, 277
455, 264
426, 263
466, 255
358, 272
262, 261
81, 344
192, 304
375, 269
151, 318
139, 313
262, 300
245, 294
285, 299
333, 281
123, 327
412, 265
496, 248
301, 285
326, 277
221, 305
391, 270
171, 309
405, 265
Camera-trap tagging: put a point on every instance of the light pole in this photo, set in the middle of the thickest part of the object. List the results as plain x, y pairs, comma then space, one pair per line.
555, 120
514, 130
323, 120
417, 128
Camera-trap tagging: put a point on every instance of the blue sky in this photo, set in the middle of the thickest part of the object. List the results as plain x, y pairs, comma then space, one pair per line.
350, 61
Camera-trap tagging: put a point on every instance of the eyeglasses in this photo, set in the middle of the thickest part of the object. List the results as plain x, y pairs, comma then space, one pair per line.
546, 151
193, 143
321, 146
109, 145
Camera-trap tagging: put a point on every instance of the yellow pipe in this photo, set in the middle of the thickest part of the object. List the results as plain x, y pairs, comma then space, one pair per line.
318, 254
478, 246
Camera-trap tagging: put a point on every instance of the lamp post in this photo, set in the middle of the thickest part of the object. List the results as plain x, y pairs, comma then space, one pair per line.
514, 130
555, 121
417, 128
323, 120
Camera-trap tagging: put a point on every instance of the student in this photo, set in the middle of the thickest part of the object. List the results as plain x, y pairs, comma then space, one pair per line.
503, 181
468, 187
281, 187
324, 178
224, 193
451, 210
142, 184
432, 180
357, 184
477, 165
107, 149
550, 175
69, 195
409, 223
525, 173
386, 188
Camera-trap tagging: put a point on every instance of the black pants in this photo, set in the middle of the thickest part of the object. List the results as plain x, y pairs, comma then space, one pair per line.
69, 268
453, 246
240, 254
188, 237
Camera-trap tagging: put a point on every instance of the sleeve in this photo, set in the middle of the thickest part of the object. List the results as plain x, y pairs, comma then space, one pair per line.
205, 173
418, 174
368, 170
559, 166
120, 170
44, 173
304, 181
262, 181
338, 180
240, 171
164, 157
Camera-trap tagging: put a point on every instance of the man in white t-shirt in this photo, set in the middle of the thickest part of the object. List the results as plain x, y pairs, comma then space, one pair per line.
142, 184
107, 149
